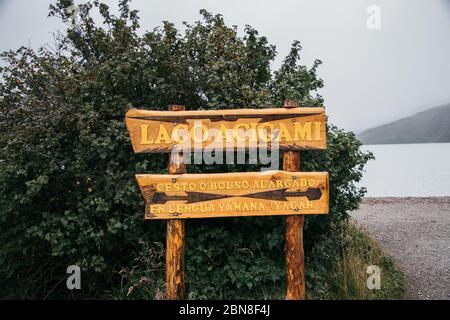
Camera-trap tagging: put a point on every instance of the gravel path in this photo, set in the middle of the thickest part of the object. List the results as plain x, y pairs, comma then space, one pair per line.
416, 232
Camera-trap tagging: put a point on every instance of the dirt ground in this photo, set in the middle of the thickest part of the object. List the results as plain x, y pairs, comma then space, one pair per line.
416, 233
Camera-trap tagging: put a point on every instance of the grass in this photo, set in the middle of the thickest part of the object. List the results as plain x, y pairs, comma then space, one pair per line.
350, 272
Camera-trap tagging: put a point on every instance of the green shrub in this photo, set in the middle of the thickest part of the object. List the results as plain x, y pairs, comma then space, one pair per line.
67, 192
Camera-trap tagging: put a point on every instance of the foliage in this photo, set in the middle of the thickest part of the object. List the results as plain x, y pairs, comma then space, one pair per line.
67, 192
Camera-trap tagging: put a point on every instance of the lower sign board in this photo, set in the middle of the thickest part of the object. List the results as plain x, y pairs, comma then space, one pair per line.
234, 194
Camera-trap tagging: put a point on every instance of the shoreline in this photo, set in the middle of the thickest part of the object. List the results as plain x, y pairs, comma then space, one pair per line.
415, 232
431, 199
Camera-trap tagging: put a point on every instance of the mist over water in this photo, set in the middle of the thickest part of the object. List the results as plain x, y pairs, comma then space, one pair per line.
408, 170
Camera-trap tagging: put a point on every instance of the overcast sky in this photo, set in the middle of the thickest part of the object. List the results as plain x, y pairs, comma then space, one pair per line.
372, 76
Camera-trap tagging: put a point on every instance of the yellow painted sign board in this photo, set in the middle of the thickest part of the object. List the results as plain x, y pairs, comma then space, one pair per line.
234, 194
286, 128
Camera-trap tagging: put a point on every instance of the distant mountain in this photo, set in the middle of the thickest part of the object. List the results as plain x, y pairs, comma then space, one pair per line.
432, 125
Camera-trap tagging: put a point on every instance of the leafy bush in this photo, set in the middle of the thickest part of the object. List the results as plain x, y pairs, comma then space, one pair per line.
67, 192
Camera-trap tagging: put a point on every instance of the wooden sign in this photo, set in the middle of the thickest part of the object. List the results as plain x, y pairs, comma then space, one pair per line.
179, 196
234, 194
288, 128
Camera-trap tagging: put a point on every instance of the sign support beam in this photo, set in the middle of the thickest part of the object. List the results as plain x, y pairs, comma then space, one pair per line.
295, 256
175, 236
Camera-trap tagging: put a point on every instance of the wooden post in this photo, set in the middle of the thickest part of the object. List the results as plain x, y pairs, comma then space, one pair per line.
175, 236
295, 256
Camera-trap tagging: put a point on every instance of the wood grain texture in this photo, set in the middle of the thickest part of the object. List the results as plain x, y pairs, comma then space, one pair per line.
295, 257
234, 194
175, 238
175, 260
289, 128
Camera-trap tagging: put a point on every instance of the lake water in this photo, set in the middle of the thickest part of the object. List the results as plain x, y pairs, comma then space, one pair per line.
408, 170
